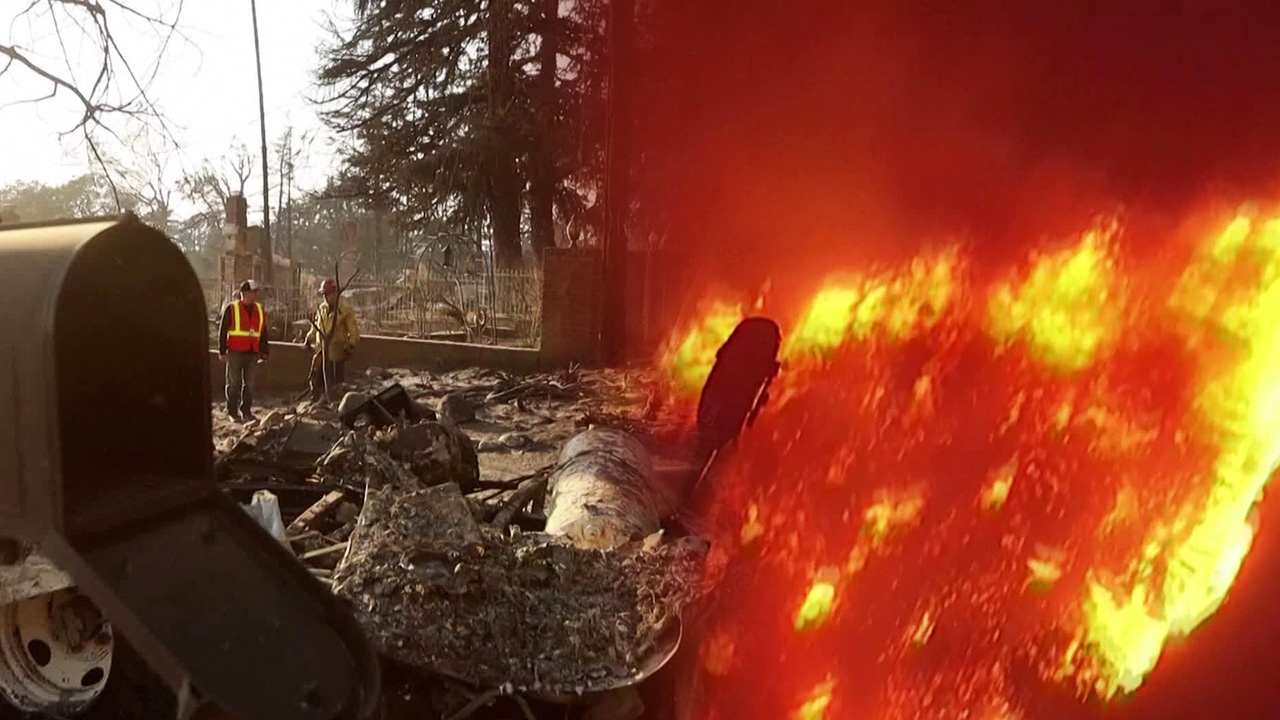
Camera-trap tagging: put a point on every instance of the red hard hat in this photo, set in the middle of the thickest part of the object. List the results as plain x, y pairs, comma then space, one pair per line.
329, 285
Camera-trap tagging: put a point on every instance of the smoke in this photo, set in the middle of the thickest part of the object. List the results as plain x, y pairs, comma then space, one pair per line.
780, 136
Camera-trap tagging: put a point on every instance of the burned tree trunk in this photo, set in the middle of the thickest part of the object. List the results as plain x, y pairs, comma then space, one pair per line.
504, 177
542, 183
601, 492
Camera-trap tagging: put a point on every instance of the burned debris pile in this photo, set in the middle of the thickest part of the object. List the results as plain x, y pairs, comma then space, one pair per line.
526, 611
459, 577
431, 452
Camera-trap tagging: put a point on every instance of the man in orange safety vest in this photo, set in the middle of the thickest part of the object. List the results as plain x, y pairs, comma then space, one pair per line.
242, 344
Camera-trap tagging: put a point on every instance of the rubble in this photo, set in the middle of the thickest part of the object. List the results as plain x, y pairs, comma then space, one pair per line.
455, 408
451, 571
515, 440
432, 452
437, 590
317, 512
388, 406
351, 401
286, 450
348, 513
307, 441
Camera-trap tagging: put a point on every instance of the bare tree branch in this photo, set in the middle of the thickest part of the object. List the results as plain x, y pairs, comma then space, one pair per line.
93, 148
212, 183
91, 109
116, 88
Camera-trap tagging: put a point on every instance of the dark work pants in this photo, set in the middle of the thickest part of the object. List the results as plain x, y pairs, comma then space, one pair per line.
240, 367
337, 376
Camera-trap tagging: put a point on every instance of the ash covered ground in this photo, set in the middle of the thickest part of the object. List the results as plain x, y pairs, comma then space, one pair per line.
408, 537
520, 421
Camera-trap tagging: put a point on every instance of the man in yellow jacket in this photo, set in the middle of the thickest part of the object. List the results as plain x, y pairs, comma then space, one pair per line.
336, 322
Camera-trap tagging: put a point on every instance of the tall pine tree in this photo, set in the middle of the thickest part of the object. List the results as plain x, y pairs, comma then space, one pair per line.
467, 112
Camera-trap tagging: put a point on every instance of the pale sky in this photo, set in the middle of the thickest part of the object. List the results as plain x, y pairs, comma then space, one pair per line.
205, 87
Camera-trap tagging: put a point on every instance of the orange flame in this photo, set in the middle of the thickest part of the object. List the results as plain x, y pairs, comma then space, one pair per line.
689, 355
967, 493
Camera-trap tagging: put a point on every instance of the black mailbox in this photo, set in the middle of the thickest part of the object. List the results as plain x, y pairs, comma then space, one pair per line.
106, 460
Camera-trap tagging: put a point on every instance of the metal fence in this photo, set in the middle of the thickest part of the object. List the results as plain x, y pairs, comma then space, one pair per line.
501, 308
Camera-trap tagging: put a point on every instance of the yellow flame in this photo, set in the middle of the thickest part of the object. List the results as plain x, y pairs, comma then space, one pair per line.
1123, 511
896, 303
1042, 574
817, 606
1201, 284
996, 492
1067, 310
890, 514
690, 359
923, 629
1067, 313
1123, 637
1241, 407
752, 528
825, 324
815, 706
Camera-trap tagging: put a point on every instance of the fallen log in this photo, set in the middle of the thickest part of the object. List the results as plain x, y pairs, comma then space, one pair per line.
601, 491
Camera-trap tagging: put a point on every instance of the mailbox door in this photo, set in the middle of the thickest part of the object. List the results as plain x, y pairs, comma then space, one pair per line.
131, 354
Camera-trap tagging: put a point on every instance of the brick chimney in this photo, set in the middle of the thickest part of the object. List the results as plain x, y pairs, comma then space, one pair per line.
237, 210
234, 224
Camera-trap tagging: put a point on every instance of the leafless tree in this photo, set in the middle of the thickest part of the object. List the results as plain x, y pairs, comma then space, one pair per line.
118, 84
291, 150
144, 182
214, 181
210, 184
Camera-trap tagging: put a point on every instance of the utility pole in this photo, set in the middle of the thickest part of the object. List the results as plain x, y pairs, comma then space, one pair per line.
267, 248
288, 210
617, 191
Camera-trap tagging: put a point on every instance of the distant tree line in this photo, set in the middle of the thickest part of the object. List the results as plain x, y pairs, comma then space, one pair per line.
191, 212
